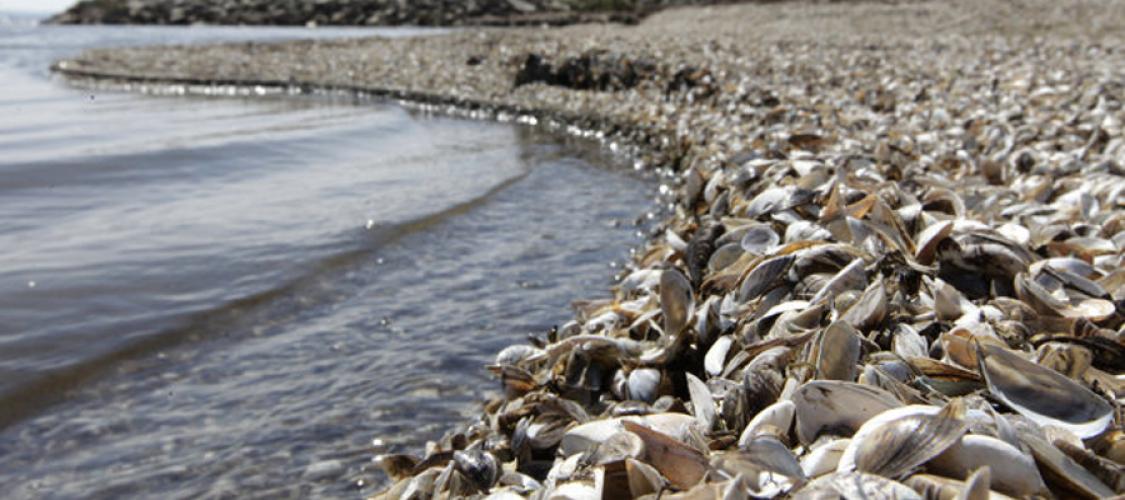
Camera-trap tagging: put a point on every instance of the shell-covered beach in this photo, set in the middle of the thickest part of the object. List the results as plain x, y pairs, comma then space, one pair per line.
893, 265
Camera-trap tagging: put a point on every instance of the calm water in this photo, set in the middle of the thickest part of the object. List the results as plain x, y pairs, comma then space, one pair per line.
206, 296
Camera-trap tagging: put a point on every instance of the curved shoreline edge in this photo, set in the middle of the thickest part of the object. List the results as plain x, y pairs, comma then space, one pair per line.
874, 103
456, 104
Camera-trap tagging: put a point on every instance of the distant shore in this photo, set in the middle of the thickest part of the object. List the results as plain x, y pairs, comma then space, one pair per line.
361, 12
854, 106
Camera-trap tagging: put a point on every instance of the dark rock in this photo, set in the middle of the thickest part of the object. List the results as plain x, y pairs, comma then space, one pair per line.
593, 70
534, 69
691, 78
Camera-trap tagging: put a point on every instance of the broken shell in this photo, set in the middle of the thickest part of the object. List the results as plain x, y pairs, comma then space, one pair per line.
681, 464
643, 478
702, 403
618, 447
588, 436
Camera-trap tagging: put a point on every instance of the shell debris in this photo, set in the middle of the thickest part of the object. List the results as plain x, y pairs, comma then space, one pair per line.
895, 247
894, 267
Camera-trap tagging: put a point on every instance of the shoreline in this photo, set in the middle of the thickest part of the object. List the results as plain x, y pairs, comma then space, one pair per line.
870, 125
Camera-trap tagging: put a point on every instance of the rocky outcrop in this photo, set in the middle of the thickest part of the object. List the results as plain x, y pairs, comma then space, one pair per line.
592, 70
352, 12
365, 12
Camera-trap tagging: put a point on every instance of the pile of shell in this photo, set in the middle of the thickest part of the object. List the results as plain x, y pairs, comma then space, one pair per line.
856, 339
905, 308
895, 268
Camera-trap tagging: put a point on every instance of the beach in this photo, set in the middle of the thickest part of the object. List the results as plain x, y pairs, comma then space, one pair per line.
904, 205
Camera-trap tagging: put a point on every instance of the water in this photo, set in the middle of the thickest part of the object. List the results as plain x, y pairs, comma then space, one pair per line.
206, 296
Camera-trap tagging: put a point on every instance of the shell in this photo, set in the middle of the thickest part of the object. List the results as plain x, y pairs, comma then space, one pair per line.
1064, 470
774, 419
870, 309
763, 277
907, 343
759, 239
928, 241
588, 436
702, 402
944, 488
770, 454
480, 468
676, 301
825, 457
644, 384
855, 485
899, 440
850, 277
838, 353
682, 465
865, 224
618, 447
643, 478
715, 360
829, 406
1012, 471
1042, 394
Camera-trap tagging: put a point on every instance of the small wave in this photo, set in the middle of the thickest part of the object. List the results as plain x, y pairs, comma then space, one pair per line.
309, 290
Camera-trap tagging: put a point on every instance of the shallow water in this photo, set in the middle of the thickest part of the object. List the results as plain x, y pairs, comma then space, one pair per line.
206, 296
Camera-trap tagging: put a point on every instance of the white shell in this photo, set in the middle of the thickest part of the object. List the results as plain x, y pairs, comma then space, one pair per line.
847, 460
1013, 472
716, 357
587, 436
824, 458
702, 403
778, 415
